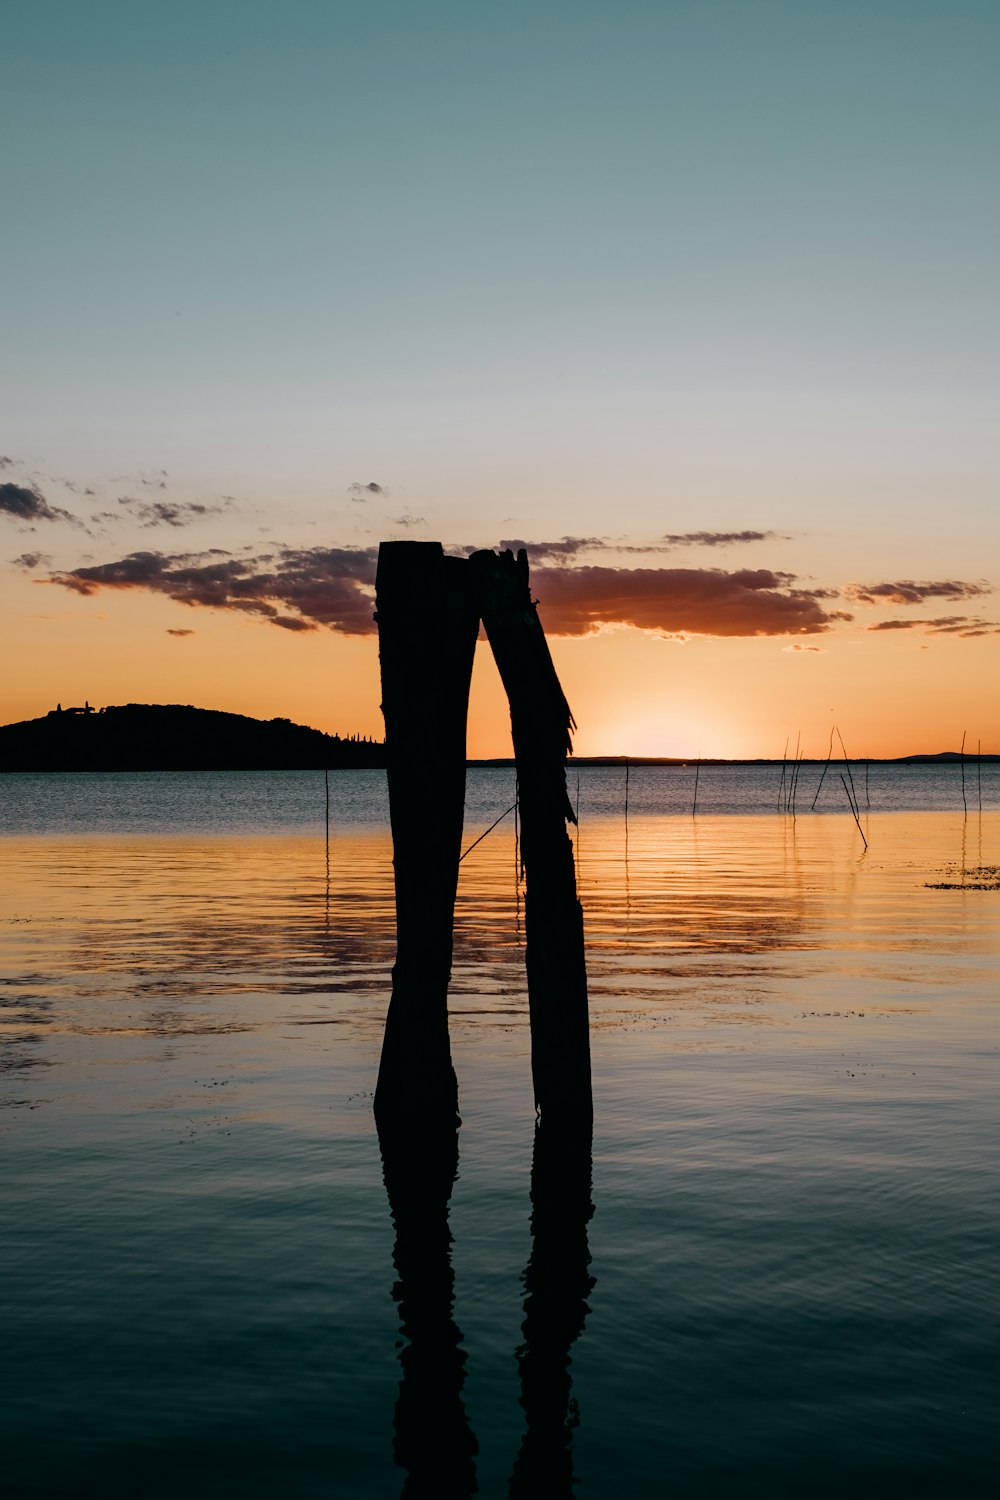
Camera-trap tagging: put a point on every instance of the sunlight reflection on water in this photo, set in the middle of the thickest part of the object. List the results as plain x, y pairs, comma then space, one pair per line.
795, 1058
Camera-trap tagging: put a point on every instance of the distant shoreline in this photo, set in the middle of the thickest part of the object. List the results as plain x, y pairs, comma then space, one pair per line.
944, 757
137, 737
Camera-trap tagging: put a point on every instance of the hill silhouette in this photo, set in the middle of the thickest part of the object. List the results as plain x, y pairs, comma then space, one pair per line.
174, 737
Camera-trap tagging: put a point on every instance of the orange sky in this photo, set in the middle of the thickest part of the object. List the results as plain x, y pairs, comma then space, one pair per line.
632, 692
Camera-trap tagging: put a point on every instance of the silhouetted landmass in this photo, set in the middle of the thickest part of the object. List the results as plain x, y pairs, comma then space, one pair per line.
174, 737
178, 737
945, 756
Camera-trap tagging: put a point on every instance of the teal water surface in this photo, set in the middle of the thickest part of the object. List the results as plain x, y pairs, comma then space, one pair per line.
779, 1277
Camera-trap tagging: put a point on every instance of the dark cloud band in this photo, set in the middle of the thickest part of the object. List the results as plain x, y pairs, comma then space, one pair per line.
678, 601
316, 586
302, 588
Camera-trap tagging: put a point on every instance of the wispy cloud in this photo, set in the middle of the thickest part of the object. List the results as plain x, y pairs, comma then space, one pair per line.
26, 503
170, 513
715, 538
909, 592
362, 492
962, 625
568, 546
572, 546
179, 632
31, 560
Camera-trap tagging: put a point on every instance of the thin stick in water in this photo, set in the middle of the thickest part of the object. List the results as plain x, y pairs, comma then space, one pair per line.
518, 869
979, 771
781, 788
854, 795
829, 757
796, 771
961, 753
855, 812
489, 830
697, 773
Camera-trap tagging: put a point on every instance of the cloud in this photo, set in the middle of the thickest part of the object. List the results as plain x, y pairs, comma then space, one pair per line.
293, 622
167, 513
29, 505
408, 520
301, 589
908, 592
362, 492
688, 601
797, 647
331, 586
179, 632
569, 546
715, 538
6, 462
152, 479
30, 560
962, 625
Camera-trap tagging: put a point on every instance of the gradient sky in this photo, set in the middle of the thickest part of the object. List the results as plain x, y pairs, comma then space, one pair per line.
710, 287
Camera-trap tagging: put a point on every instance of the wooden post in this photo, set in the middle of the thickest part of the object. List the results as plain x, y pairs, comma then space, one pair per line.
427, 623
541, 722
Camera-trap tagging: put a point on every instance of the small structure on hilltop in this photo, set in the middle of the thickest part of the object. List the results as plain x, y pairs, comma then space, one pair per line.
86, 709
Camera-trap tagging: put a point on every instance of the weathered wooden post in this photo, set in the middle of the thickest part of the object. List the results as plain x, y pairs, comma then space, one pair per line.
427, 624
541, 722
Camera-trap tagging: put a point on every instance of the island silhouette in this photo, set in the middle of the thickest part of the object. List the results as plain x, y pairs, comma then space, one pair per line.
175, 737
180, 737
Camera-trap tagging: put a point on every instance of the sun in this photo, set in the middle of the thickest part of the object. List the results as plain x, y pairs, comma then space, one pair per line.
675, 736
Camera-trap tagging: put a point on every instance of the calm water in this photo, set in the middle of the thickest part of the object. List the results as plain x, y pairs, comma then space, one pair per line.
789, 1283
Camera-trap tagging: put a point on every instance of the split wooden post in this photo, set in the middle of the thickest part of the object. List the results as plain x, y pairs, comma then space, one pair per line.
427, 624
541, 723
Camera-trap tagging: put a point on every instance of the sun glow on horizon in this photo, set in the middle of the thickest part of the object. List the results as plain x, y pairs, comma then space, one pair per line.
673, 736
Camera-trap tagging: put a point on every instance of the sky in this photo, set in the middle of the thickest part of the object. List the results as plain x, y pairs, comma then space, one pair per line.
696, 301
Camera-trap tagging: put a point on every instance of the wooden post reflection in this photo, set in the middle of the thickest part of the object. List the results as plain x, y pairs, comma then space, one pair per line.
557, 1283
432, 1441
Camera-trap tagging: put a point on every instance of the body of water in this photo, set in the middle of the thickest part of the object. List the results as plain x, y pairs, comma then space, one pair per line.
777, 1276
